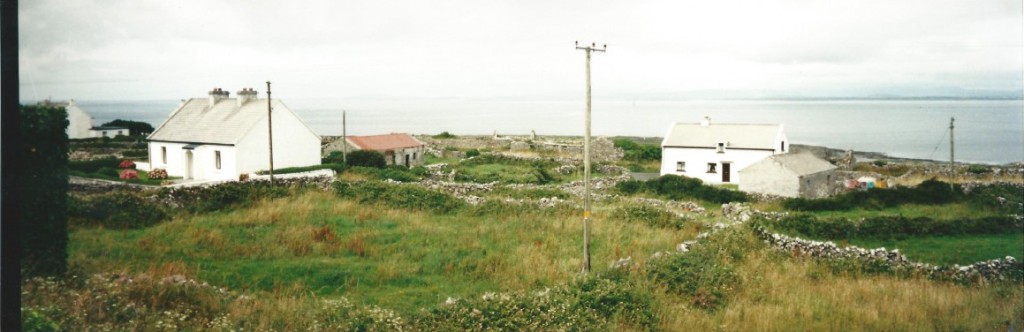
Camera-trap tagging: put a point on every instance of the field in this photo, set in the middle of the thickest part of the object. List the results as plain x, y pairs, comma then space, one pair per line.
369, 254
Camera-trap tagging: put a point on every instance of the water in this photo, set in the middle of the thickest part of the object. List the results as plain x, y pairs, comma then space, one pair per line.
987, 131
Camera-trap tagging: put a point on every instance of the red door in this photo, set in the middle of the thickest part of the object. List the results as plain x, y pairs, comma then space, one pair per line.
725, 172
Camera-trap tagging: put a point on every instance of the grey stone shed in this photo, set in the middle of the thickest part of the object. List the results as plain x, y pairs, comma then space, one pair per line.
789, 175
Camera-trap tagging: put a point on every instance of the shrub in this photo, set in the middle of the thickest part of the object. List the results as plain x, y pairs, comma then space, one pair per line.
979, 169
649, 215
472, 153
129, 174
366, 158
706, 273
880, 163
889, 227
115, 210
930, 192
108, 172
157, 174
679, 187
92, 166
444, 135
126, 164
37, 176
398, 196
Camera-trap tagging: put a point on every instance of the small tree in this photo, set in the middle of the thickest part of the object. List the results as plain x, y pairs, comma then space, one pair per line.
134, 127
41, 186
366, 158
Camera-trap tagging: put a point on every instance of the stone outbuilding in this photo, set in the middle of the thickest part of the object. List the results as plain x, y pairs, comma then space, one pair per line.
790, 175
219, 138
398, 149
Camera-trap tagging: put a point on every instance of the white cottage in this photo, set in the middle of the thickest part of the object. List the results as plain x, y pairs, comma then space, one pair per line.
79, 122
790, 175
218, 138
715, 152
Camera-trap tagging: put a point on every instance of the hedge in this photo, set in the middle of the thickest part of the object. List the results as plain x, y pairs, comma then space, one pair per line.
41, 162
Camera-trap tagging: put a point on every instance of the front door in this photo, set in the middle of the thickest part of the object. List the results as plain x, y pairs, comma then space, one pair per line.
725, 172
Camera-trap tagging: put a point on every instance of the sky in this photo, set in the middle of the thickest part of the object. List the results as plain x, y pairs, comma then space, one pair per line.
169, 50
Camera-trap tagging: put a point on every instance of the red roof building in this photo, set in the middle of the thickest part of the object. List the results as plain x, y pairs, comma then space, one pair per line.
398, 149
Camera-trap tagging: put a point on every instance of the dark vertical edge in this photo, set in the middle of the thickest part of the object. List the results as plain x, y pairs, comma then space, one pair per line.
10, 269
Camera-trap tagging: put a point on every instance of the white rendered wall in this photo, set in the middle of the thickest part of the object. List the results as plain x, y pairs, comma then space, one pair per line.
770, 178
295, 144
697, 160
79, 122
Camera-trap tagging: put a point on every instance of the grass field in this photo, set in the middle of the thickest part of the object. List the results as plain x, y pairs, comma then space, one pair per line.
398, 259
949, 250
316, 261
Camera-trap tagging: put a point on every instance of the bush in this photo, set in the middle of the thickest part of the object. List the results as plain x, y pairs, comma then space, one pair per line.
37, 176
930, 192
979, 169
679, 187
126, 164
472, 153
705, 274
158, 174
135, 128
637, 152
649, 215
108, 172
92, 166
129, 174
889, 227
880, 163
115, 210
444, 135
366, 158
398, 196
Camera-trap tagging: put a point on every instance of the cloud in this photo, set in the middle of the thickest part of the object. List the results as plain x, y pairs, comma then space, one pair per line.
116, 49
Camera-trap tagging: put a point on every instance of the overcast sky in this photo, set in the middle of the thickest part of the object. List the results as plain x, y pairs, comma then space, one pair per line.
141, 50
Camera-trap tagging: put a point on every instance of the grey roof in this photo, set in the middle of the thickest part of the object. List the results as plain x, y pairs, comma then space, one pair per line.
799, 163
223, 123
748, 136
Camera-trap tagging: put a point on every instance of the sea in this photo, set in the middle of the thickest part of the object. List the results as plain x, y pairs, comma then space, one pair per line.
985, 131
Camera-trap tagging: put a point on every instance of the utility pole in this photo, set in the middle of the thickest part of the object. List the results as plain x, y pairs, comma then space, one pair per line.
344, 139
586, 162
270, 133
952, 169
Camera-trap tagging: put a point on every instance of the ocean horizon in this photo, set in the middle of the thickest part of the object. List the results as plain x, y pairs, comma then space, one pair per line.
986, 131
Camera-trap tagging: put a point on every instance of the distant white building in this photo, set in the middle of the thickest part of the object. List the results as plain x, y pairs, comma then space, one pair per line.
80, 123
790, 175
218, 138
715, 153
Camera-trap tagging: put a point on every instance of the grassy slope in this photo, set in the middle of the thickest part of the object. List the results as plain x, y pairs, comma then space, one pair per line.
949, 250
402, 260
407, 260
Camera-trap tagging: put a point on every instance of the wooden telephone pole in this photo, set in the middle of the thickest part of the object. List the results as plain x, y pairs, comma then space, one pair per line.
586, 162
270, 133
344, 139
952, 168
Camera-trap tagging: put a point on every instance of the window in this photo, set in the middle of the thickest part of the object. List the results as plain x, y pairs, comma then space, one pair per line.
782, 146
163, 154
681, 166
414, 156
216, 159
721, 147
712, 168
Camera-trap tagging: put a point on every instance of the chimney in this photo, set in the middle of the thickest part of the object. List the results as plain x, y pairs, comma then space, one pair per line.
216, 95
706, 122
246, 95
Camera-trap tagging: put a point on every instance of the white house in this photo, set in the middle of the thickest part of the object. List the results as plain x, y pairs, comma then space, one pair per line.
715, 152
790, 175
108, 131
398, 149
218, 138
79, 122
